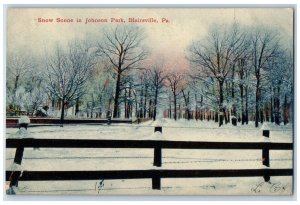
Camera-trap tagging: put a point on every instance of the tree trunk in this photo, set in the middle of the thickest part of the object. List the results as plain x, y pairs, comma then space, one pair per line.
92, 106
286, 111
246, 108
267, 112
117, 94
216, 116
155, 104
125, 104
175, 107
221, 109
272, 111
291, 106
187, 102
62, 116
257, 100
77, 107
16, 82
150, 109
242, 104
188, 106
141, 104
277, 108
53, 105
136, 105
179, 114
130, 104
170, 107
261, 116
227, 117
232, 85
145, 102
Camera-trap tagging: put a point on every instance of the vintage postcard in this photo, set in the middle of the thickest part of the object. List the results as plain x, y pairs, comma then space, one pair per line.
149, 101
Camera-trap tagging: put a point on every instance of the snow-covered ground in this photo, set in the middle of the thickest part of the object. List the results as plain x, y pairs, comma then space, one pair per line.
142, 159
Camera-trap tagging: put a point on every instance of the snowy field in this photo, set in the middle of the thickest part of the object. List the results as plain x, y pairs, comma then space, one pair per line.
46, 159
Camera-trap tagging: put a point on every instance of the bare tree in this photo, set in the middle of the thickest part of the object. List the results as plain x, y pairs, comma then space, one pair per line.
18, 67
100, 92
143, 93
68, 71
157, 78
34, 99
187, 102
215, 57
243, 72
176, 83
278, 84
123, 48
264, 47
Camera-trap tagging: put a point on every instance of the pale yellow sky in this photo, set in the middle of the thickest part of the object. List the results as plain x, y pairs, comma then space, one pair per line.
166, 40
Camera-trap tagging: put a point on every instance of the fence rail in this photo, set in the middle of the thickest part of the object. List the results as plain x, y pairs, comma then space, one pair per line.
13, 122
91, 143
155, 175
139, 174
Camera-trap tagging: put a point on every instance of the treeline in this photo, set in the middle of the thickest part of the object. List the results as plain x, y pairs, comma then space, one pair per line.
235, 73
243, 71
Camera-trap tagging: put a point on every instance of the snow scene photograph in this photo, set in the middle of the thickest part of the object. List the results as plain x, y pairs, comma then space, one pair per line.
149, 101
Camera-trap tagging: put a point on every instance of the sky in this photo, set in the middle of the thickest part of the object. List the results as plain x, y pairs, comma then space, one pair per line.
167, 41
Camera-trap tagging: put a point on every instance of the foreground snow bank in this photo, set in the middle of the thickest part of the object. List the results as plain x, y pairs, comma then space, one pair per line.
141, 159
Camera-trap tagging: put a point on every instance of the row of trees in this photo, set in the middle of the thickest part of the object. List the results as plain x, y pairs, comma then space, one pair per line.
240, 65
234, 71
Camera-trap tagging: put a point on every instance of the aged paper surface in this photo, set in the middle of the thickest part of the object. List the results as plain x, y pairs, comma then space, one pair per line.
154, 101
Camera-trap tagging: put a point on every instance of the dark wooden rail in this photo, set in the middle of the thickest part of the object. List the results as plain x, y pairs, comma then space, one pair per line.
139, 174
13, 122
155, 175
91, 143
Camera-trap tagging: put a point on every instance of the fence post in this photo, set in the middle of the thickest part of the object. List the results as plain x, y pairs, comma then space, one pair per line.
157, 147
265, 151
17, 168
158, 129
157, 156
266, 161
156, 182
266, 133
266, 156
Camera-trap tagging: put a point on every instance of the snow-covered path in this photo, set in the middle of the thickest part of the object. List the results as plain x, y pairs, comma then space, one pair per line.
142, 159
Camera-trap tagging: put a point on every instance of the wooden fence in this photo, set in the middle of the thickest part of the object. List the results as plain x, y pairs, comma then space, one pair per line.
13, 122
154, 174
